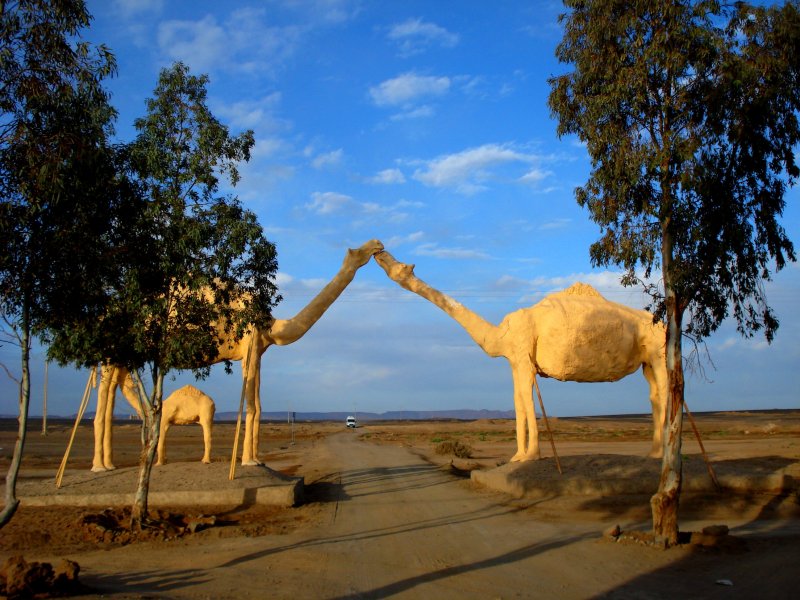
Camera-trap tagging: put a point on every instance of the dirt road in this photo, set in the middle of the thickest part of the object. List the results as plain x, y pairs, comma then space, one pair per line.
393, 525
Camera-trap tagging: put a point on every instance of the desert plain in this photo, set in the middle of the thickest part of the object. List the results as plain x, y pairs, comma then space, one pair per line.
386, 511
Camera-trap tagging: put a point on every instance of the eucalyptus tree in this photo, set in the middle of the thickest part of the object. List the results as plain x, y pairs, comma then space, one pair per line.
203, 271
60, 198
689, 112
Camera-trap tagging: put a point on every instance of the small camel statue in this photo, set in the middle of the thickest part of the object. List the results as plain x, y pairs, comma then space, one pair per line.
280, 332
572, 335
182, 407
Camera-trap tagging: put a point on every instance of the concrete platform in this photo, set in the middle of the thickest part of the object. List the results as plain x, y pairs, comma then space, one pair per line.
173, 484
613, 474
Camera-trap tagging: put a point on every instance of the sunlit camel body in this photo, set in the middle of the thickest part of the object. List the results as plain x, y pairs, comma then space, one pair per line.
573, 335
281, 332
182, 407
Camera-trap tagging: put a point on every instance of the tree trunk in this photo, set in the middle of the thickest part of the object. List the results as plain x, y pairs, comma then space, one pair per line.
152, 428
11, 500
664, 503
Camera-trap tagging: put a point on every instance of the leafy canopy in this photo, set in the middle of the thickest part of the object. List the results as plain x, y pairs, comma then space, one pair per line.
59, 195
202, 269
689, 113
60, 198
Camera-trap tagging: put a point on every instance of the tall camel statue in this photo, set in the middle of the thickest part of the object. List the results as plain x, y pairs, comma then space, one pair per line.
280, 332
572, 335
184, 406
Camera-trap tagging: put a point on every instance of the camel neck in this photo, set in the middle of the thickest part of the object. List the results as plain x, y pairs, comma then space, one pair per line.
287, 331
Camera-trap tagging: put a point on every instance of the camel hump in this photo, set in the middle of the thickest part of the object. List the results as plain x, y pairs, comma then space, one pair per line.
188, 391
581, 289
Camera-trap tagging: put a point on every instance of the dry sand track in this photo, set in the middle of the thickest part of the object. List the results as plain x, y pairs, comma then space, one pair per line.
382, 520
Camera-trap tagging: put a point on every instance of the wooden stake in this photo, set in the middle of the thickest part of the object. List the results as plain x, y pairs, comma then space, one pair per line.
547, 423
144, 402
711, 473
246, 374
84, 402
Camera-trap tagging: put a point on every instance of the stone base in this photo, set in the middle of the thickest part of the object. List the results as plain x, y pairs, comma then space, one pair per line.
173, 484
611, 475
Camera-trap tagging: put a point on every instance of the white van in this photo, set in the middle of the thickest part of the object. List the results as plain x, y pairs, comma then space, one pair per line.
351, 421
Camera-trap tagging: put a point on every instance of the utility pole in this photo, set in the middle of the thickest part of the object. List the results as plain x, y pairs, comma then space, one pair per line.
44, 400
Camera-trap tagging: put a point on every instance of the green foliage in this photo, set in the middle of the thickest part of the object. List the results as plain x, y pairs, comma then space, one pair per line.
196, 269
202, 268
689, 113
57, 173
60, 200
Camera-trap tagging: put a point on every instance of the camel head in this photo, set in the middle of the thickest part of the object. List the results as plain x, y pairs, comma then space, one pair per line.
358, 257
397, 271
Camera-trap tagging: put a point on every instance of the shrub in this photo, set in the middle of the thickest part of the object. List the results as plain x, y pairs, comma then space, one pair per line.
454, 447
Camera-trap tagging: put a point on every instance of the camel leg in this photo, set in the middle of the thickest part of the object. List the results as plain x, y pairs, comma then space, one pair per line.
527, 430
102, 421
207, 423
251, 423
256, 413
108, 438
99, 428
657, 380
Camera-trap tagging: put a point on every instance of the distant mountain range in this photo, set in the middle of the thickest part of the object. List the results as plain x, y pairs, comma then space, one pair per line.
406, 415
394, 415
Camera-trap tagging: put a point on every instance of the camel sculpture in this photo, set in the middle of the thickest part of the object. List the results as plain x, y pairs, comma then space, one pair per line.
182, 407
572, 335
280, 332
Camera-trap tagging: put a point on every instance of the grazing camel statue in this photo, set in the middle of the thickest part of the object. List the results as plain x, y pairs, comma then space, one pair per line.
280, 332
573, 335
182, 407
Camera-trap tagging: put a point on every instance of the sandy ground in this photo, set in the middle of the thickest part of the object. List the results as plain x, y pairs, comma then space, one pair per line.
386, 516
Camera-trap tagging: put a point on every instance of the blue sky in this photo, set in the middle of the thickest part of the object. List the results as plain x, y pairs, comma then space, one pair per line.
425, 125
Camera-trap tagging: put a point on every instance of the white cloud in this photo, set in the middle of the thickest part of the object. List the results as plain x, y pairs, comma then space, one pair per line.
282, 279
535, 176
415, 35
406, 89
257, 114
325, 11
199, 43
329, 159
326, 203
467, 171
433, 249
243, 42
268, 147
421, 112
388, 176
129, 8
362, 213
555, 224
400, 240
